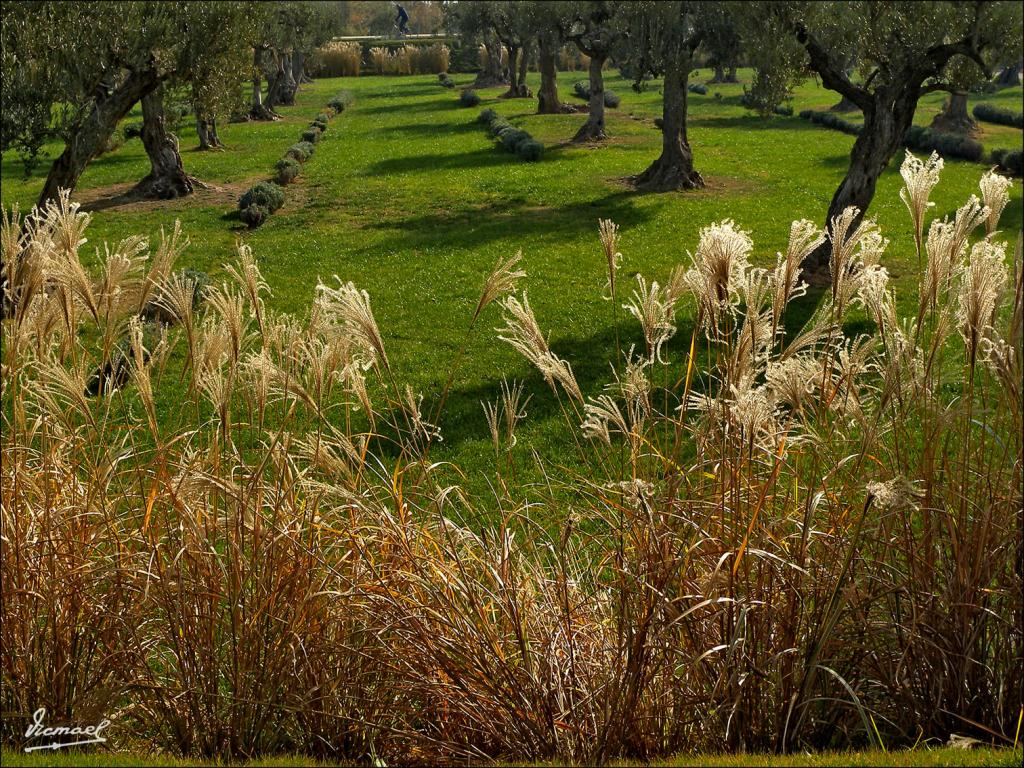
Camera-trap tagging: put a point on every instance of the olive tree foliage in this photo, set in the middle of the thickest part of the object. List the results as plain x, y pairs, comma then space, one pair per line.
474, 20
71, 71
903, 50
288, 33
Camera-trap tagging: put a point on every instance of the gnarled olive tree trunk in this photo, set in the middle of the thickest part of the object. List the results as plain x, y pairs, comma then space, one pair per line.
547, 97
258, 110
593, 129
954, 118
674, 168
281, 86
167, 178
887, 116
490, 73
207, 131
90, 135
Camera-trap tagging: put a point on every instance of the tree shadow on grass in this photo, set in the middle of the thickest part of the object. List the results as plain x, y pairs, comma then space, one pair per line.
433, 105
470, 227
431, 163
431, 129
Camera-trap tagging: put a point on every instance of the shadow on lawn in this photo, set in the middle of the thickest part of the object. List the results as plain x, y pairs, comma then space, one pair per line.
470, 227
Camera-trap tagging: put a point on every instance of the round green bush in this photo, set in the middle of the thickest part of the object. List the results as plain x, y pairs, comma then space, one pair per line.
469, 98
254, 215
322, 117
312, 135
512, 138
265, 194
287, 170
340, 102
301, 151
529, 150
487, 116
319, 125
133, 130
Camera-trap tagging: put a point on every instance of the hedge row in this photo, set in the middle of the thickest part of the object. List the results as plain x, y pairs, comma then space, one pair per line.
697, 88
1010, 161
582, 89
264, 198
990, 114
513, 139
917, 137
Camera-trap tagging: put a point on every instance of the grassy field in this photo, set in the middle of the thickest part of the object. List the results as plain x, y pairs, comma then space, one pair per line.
410, 198
917, 757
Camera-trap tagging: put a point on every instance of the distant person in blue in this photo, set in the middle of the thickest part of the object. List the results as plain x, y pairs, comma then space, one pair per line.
402, 20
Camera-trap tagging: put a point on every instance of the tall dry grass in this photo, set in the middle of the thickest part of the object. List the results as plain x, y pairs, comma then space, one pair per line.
336, 59
411, 59
781, 540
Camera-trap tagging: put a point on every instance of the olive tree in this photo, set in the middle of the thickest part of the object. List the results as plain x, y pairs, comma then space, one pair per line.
596, 29
74, 70
903, 51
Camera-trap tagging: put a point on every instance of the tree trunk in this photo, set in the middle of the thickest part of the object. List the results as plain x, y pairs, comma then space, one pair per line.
719, 74
281, 91
954, 118
90, 135
167, 178
490, 73
1009, 76
844, 105
207, 131
299, 69
885, 123
524, 60
547, 97
593, 129
257, 109
674, 169
731, 77
513, 80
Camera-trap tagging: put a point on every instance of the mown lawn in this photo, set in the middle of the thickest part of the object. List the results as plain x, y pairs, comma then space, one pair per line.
410, 198
944, 756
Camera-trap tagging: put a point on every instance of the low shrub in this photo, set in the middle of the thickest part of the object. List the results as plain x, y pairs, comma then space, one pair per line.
1009, 161
132, 130
783, 110
582, 90
697, 88
322, 117
946, 144
469, 98
530, 150
830, 120
287, 170
254, 215
312, 135
265, 194
513, 139
341, 101
301, 151
991, 114
446, 81
319, 125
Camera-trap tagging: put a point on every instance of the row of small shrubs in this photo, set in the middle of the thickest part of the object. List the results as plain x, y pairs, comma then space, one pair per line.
263, 199
697, 88
990, 114
469, 98
582, 89
917, 137
946, 144
513, 139
1009, 161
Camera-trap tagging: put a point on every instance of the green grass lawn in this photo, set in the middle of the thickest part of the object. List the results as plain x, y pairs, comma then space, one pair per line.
409, 197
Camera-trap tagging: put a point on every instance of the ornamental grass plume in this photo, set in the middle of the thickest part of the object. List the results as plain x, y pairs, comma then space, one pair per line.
654, 308
983, 283
524, 334
995, 195
347, 310
804, 237
919, 178
609, 234
718, 269
501, 281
